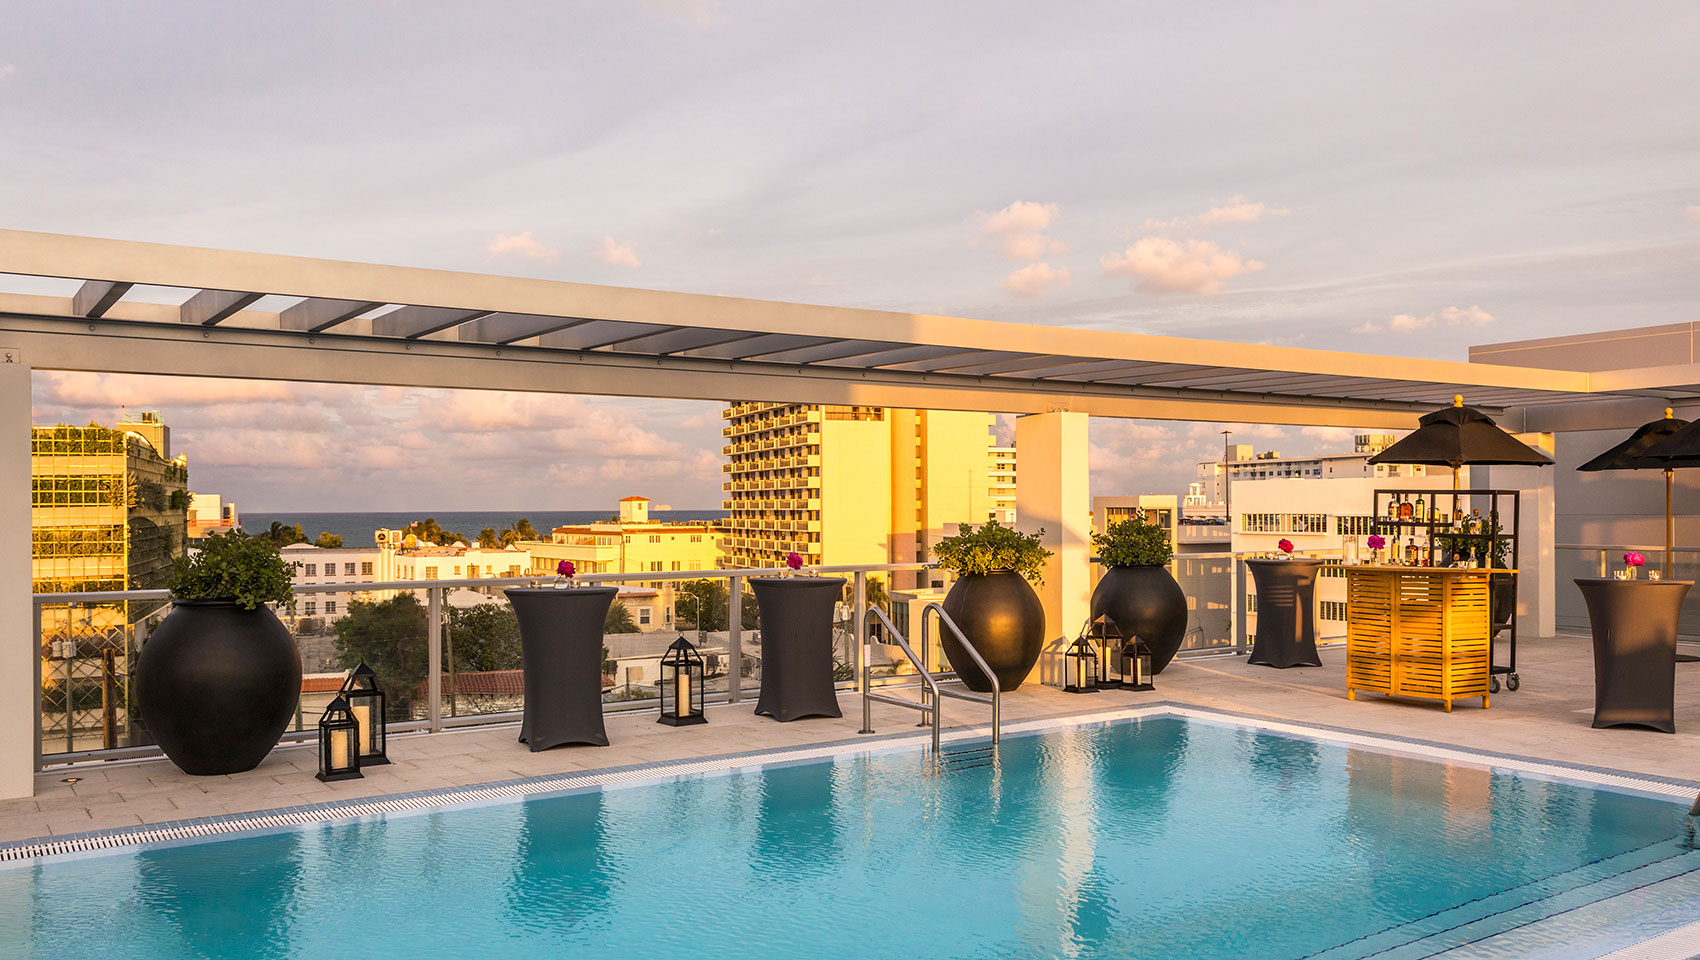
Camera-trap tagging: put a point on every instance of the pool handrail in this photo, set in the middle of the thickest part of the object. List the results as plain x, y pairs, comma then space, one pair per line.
929, 681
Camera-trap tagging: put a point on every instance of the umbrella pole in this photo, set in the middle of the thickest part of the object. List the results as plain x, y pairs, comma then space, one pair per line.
1670, 525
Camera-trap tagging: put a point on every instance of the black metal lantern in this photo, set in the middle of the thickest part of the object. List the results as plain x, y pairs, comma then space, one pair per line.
1080, 667
681, 685
1111, 664
1136, 663
366, 704
339, 743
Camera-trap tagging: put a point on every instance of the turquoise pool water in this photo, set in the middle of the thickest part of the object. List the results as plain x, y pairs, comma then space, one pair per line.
1156, 838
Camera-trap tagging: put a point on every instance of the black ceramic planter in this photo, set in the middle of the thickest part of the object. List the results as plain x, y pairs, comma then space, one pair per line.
560, 645
796, 646
1002, 617
1147, 603
216, 685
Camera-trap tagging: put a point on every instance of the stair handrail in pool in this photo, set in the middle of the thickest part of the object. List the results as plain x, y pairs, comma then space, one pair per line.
929, 682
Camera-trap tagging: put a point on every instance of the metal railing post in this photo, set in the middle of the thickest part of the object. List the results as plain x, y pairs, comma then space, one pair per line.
1240, 613
434, 659
859, 627
38, 685
734, 639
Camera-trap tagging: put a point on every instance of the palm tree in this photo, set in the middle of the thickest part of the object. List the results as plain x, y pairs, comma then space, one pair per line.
619, 619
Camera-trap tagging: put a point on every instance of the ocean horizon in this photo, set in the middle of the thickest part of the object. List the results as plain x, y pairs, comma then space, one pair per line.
356, 527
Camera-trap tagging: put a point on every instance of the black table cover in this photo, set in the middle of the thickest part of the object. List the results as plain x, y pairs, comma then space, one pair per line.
1634, 623
560, 641
1286, 613
796, 646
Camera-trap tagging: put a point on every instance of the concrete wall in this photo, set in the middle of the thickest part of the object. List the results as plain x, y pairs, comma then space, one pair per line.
20, 683
1054, 494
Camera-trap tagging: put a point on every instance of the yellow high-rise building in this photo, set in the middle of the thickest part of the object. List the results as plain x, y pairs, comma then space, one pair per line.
850, 485
632, 544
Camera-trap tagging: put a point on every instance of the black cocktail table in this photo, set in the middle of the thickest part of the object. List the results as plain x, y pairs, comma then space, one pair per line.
1634, 625
796, 646
560, 642
1286, 613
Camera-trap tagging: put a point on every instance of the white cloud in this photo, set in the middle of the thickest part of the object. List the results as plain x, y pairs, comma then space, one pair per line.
1693, 213
615, 253
1164, 265
522, 245
8, 71
1020, 230
1471, 316
699, 13
1237, 210
1035, 280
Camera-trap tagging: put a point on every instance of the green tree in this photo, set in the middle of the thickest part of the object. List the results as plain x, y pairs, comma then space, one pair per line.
389, 636
489, 539
328, 540
429, 531
710, 600
515, 532
281, 535
485, 637
619, 619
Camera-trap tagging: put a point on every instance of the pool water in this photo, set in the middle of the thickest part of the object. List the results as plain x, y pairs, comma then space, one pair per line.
1161, 837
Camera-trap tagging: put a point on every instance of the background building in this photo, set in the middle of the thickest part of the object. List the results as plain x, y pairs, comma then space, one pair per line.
108, 511
1205, 496
844, 485
209, 514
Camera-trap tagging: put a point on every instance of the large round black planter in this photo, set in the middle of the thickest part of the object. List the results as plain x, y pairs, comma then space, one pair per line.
796, 646
1147, 603
216, 685
1002, 617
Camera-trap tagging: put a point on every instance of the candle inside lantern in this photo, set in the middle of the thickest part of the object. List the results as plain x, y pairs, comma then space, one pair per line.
339, 751
363, 716
682, 698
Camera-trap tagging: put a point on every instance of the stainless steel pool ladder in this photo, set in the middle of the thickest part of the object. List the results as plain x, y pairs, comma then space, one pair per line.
930, 684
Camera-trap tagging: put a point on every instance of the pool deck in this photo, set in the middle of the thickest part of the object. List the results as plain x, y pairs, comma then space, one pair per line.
1548, 719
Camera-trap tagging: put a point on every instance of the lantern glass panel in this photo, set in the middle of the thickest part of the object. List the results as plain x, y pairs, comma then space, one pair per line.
366, 704
1080, 665
681, 685
1138, 657
339, 747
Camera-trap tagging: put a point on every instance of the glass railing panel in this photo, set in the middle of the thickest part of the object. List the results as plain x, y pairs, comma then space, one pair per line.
88, 657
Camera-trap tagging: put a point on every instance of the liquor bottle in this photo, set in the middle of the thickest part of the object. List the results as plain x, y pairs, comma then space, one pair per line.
1405, 509
1421, 514
1476, 520
1411, 551
1392, 508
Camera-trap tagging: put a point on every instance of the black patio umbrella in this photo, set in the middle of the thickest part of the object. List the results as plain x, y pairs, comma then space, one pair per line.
1458, 435
1637, 452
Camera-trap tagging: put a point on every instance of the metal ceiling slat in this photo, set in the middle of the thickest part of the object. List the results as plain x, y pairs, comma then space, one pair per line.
760, 344
316, 313
674, 341
208, 307
505, 328
95, 297
965, 364
902, 354
414, 322
831, 350
599, 333
1126, 369
1031, 365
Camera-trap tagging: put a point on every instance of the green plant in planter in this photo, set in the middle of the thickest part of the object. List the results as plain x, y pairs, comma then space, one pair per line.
1134, 543
990, 548
235, 567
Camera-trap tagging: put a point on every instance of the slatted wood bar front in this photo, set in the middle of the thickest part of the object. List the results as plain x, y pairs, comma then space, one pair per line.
1419, 632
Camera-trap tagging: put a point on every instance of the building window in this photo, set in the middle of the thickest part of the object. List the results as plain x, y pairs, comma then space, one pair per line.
675, 565
366, 569
311, 607
1333, 610
643, 615
312, 569
430, 573
330, 606
1354, 526
348, 569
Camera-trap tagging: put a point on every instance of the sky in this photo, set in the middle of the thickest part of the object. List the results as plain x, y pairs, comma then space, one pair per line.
1400, 179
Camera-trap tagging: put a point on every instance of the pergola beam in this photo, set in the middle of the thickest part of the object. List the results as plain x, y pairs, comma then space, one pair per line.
413, 322
316, 313
95, 297
208, 307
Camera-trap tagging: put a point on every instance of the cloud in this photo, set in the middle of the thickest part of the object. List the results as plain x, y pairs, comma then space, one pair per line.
614, 253
1035, 280
522, 245
1020, 230
1164, 265
700, 13
1693, 213
1471, 316
1237, 210
8, 71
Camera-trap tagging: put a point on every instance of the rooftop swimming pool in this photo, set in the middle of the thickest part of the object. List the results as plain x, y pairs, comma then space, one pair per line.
1155, 837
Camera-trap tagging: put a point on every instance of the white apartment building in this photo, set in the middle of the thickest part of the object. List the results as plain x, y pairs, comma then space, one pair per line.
1241, 465
1002, 477
391, 557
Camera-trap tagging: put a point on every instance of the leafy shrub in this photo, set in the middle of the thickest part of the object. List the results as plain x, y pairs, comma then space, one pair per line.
990, 548
1133, 543
233, 566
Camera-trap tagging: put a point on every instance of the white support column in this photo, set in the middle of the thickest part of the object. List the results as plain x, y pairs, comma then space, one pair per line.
19, 696
1052, 491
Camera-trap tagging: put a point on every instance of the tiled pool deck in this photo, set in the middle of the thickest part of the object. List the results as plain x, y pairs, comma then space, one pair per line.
1547, 719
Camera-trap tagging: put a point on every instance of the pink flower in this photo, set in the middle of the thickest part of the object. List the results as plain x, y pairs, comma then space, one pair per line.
1376, 541
1285, 545
1634, 559
794, 561
565, 568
